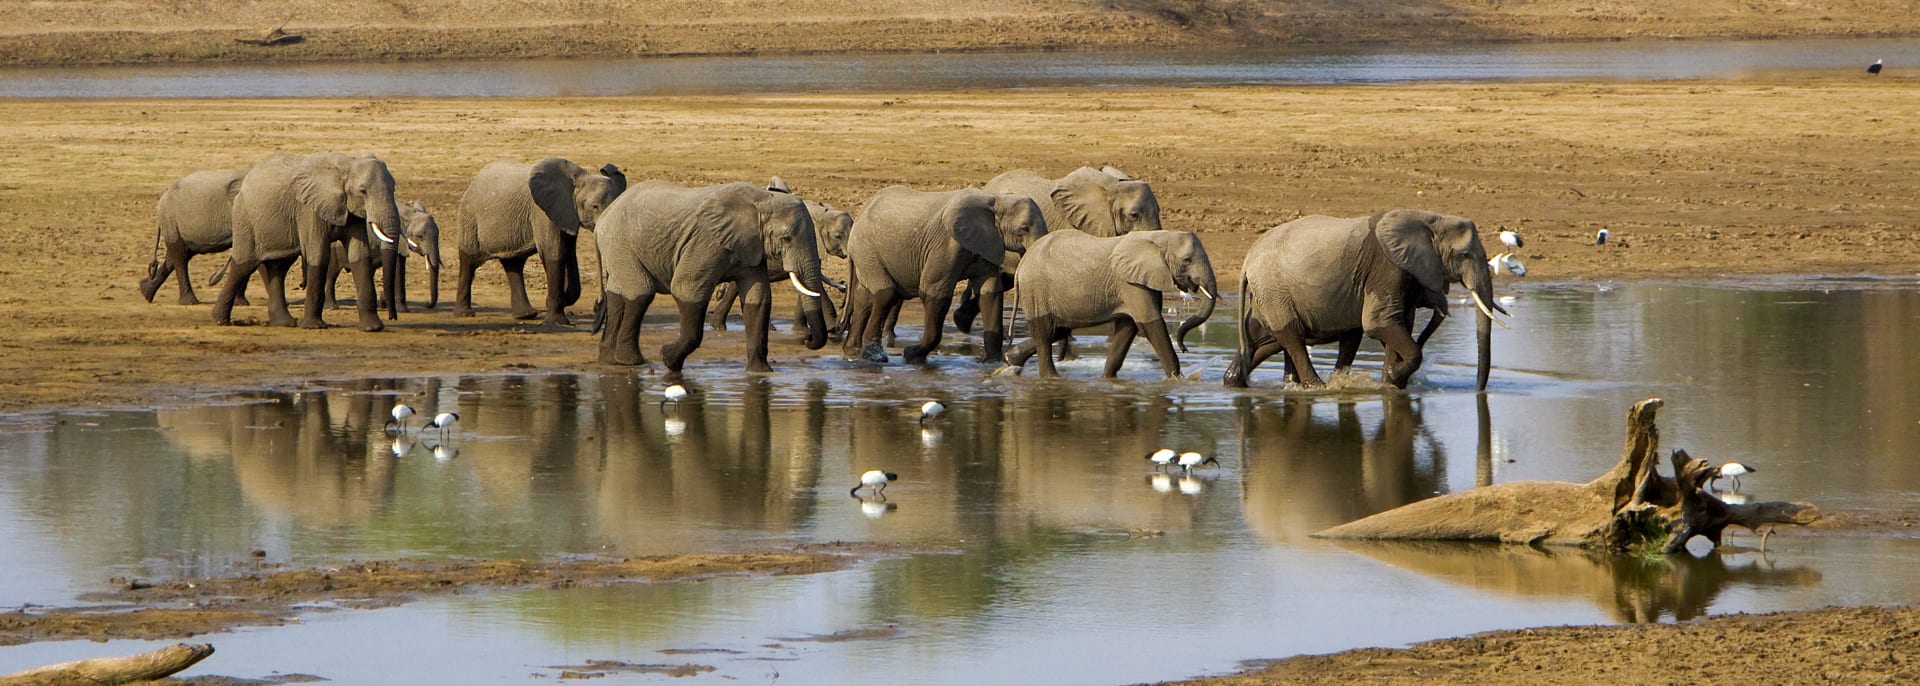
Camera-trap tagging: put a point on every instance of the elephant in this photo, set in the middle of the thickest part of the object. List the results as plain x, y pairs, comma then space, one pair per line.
831, 227
512, 211
422, 234
1101, 202
1319, 279
194, 217
1071, 279
910, 243
292, 206
663, 238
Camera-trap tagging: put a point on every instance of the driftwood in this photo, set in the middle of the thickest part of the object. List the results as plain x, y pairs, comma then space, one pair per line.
275, 36
107, 671
1630, 506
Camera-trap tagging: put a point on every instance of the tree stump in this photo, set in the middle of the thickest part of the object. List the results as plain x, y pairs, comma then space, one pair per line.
1631, 506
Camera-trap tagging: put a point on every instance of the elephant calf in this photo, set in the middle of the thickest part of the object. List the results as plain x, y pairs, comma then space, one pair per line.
512, 211
1071, 279
194, 217
831, 227
422, 234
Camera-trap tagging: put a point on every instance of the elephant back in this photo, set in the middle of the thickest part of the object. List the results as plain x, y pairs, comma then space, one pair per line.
197, 210
1059, 272
1307, 270
1040, 188
497, 211
264, 212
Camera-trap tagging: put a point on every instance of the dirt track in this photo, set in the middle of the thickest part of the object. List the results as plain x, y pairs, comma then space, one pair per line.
125, 32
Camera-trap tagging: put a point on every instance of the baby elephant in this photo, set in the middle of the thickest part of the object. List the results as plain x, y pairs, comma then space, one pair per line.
1072, 279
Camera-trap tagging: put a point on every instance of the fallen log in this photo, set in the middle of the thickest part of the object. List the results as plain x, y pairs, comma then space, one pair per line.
108, 671
275, 36
1630, 507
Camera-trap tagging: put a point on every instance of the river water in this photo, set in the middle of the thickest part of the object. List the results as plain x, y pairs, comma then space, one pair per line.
1635, 60
1072, 558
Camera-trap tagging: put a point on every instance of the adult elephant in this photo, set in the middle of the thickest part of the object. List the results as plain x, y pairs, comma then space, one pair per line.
194, 217
1071, 279
1320, 279
831, 227
1101, 202
422, 233
916, 244
512, 211
293, 207
663, 238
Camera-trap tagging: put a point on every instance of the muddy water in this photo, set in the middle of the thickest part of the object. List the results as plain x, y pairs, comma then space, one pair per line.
1072, 558
1638, 60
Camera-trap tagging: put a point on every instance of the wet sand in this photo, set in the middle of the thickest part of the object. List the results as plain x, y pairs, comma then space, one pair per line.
69, 33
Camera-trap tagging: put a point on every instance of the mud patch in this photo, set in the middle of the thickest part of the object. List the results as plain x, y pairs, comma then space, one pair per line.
595, 669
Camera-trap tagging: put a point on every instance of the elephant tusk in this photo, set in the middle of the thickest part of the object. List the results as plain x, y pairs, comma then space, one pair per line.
415, 246
1209, 294
377, 232
1486, 311
795, 278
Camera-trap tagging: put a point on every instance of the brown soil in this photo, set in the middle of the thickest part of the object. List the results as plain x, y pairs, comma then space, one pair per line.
188, 607
121, 32
1831, 646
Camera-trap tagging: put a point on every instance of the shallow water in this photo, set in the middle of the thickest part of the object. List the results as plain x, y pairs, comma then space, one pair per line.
1073, 560
1387, 63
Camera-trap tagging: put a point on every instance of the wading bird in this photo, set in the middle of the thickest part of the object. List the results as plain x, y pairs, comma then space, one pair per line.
1875, 67
443, 421
1163, 457
1600, 238
930, 410
401, 413
674, 394
1731, 471
1511, 238
1507, 261
1189, 460
876, 480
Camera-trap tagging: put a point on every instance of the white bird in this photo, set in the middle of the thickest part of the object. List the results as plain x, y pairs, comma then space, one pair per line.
1163, 457
1508, 262
1731, 471
876, 480
442, 421
1600, 238
1189, 460
1191, 486
1512, 239
674, 394
1162, 482
930, 410
1876, 66
401, 413
1506, 300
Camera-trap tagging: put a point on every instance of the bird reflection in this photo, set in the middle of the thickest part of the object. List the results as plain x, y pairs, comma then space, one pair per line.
877, 508
1162, 482
676, 427
930, 438
402, 445
1191, 485
444, 452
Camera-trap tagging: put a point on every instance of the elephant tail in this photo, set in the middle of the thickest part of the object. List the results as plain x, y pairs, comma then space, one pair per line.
159, 229
219, 273
1243, 343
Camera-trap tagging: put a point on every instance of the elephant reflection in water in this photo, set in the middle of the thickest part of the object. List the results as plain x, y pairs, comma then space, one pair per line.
1629, 589
302, 456
1059, 435
1305, 471
732, 468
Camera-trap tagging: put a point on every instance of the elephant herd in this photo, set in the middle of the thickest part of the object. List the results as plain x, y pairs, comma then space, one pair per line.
1079, 251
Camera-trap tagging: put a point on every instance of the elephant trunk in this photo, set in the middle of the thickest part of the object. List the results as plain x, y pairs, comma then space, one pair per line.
1479, 282
806, 273
433, 284
1194, 322
1483, 330
391, 278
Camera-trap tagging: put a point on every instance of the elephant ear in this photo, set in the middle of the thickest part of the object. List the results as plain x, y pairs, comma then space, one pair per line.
1142, 261
1087, 200
970, 217
552, 184
320, 183
233, 185
1114, 172
1407, 237
618, 178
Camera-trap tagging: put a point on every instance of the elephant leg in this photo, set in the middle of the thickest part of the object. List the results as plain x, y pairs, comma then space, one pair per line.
893, 321
1066, 349
879, 303
1018, 355
620, 336
693, 319
936, 314
1399, 343
238, 273
756, 306
1240, 370
967, 310
828, 313
1296, 347
1117, 344
555, 266
317, 261
463, 295
336, 260
1163, 347
1045, 332
854, 322
366, 296
570, 287
723, 298
1349, 346
993, 340
177, 262
275, 274
516, 268
399, 295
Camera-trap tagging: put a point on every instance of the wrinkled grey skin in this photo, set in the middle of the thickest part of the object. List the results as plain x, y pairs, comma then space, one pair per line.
1070, 279
662, 238
422, 238
915, 244
1100, 202
194, 217
292, 207
1319, 279
512, 211
831, 227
